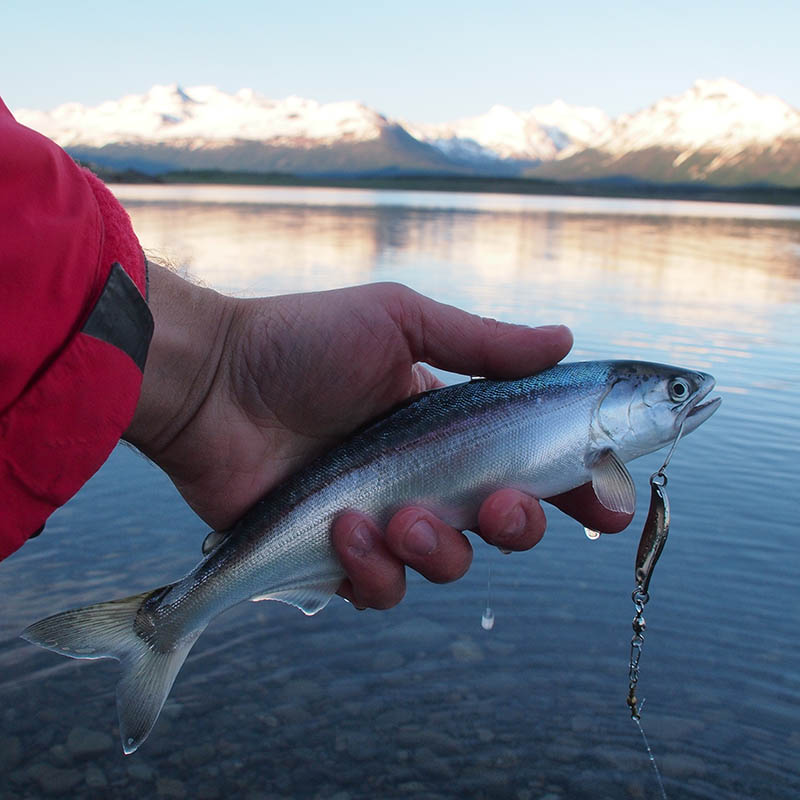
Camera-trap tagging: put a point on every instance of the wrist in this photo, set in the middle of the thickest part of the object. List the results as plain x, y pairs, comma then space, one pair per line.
185, 356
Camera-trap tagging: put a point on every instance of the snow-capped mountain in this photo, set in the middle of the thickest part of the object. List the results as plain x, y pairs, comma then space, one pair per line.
498, 134
720, 114
206, 114
204, 128
718, 131
535, 135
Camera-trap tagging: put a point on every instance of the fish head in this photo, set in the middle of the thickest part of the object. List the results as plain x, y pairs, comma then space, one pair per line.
646, 404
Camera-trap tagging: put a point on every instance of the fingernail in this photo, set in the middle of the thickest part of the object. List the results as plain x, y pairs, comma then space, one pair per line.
360, 543
549, 327
420, 538
516, 521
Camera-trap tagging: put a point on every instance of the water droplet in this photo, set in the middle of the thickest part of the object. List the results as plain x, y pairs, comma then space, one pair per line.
590, 534
505, 551
487, 620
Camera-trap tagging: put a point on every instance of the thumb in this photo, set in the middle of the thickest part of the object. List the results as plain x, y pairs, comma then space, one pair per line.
456, 341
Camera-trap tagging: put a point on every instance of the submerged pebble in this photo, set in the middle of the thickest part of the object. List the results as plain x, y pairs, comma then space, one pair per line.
53, 780
485, 735
170, 787
172, 709
678, 729
626, 759
301, 689
95, 777
394, 717
387, 660
60, 755
85, 743
198, 755
10, 753
683, 765
426, 761
438, 741
466, 651
419, 631
361, 746
140, 772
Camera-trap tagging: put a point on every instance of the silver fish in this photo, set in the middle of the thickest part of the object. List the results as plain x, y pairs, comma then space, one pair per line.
446, 450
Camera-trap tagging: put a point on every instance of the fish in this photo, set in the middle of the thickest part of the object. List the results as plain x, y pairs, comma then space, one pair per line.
445, 450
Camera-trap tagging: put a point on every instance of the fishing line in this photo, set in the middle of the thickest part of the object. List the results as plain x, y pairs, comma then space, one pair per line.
657, 771
672, 449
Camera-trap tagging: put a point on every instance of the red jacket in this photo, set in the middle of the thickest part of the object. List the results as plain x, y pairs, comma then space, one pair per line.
75, 328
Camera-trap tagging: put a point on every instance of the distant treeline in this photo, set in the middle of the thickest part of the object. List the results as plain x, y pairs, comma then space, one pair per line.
620, 187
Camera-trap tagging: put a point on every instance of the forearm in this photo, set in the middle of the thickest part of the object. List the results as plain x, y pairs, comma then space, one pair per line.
186, 352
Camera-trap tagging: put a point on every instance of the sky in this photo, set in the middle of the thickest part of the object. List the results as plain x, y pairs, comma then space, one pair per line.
419, 60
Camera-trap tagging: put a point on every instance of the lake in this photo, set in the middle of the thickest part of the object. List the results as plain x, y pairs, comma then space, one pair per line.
420, 701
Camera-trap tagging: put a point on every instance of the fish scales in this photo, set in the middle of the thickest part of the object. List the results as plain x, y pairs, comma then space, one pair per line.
445, 450
397, 460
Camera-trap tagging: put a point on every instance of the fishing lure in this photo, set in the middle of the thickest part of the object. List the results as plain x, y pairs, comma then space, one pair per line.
651, 545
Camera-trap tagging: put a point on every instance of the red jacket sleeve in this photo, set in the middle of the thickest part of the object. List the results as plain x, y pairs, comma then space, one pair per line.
75, 328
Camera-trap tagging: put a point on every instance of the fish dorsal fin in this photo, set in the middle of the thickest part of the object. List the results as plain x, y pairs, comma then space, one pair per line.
214, 540
612, 483
309, 598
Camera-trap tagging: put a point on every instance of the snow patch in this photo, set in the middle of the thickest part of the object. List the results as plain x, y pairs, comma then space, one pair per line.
712, 115
204, 114
535, 135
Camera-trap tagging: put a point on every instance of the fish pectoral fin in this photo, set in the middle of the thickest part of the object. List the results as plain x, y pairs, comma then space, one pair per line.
309, 598
612, 483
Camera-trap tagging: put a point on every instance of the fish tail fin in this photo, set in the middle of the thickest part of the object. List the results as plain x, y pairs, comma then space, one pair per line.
124, 630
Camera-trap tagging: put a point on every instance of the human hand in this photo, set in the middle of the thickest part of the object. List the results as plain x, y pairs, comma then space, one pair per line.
239, 394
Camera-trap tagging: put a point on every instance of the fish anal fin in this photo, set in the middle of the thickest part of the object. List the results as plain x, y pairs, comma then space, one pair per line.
612, 483
214, 540
309, 598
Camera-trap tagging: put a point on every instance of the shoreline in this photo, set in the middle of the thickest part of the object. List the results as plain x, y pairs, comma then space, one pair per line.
765, 195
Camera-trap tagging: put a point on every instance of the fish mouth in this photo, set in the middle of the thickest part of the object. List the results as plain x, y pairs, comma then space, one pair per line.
697, 412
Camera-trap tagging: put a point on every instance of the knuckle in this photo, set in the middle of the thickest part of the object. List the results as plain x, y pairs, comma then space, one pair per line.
391, 294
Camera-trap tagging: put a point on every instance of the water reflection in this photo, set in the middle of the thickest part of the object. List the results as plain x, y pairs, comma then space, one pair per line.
701, 271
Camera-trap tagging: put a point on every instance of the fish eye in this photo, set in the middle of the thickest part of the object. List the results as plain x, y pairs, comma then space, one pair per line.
678, 389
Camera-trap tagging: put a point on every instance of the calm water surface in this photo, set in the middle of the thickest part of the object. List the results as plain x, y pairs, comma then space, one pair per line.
419, 701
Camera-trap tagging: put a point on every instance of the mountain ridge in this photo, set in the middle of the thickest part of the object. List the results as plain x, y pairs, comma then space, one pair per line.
717, 132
